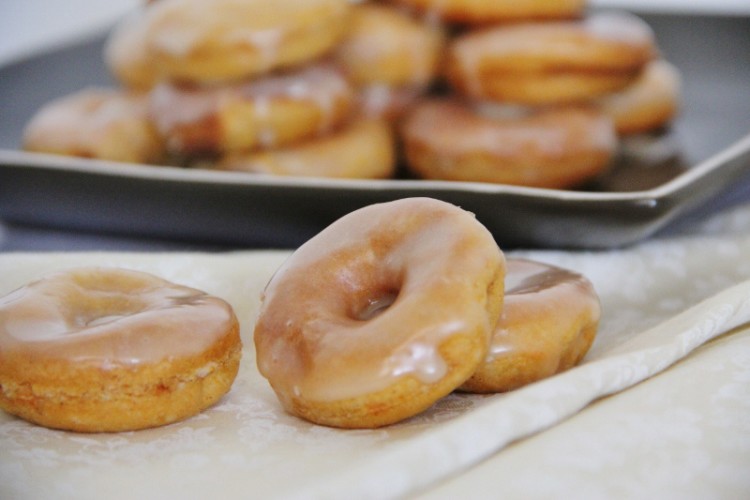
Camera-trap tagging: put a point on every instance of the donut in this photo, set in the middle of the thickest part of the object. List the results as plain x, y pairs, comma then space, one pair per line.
261, 113
648, 104
383, 45
221, 40
550, 63
362, 150
549, 321
108, 349
125, 54
382, 313
390, 57
100, 123
494, 11
559, 148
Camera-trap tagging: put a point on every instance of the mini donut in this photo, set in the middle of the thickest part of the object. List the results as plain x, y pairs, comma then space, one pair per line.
549, 321
97, 123
649, 103
556, 148
391, 58
107, 349
364, 149
221, 40
262, 113
126, 54
494, 11
383, 45
382, 313
551, 63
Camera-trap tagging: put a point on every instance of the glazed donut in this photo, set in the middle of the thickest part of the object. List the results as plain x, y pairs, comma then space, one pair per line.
549, 321
649, 103
262, 113
391, 58
96, 123
551, 63
494, 11
382, 313
362, 150
126, 54
555, 148
106, 350
221, 40
383, 45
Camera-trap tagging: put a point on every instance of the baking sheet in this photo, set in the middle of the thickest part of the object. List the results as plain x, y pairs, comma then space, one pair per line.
709, 150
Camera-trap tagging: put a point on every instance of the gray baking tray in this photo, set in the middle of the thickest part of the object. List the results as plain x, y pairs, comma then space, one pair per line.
708, 154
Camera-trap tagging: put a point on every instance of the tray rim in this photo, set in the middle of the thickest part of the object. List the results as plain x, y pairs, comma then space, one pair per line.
691, 176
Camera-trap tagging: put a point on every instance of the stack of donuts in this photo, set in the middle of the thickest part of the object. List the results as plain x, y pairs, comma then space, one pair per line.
249, 84
539, 93
532, 93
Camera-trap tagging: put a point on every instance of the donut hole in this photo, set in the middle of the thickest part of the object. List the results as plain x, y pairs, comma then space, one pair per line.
370, 282
96, 310
98, 299
375, 305
99, 280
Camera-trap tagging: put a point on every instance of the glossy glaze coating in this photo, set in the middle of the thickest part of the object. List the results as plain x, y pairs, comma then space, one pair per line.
222, 40
373, 301
260, 113
110, 318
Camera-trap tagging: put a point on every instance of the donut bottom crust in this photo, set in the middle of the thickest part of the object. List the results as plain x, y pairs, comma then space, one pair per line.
363, 149
126, 142
83, 398
646, 119
401, 400
542, 88
554, 353
536, 171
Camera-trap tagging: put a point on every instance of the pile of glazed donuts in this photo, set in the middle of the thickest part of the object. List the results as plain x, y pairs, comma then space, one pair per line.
372, 321
535, 93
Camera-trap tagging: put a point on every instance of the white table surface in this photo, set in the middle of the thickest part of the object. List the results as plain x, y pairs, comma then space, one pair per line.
660, 407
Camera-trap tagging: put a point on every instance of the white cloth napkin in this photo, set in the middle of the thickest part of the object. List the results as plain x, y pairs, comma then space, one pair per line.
661, 301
